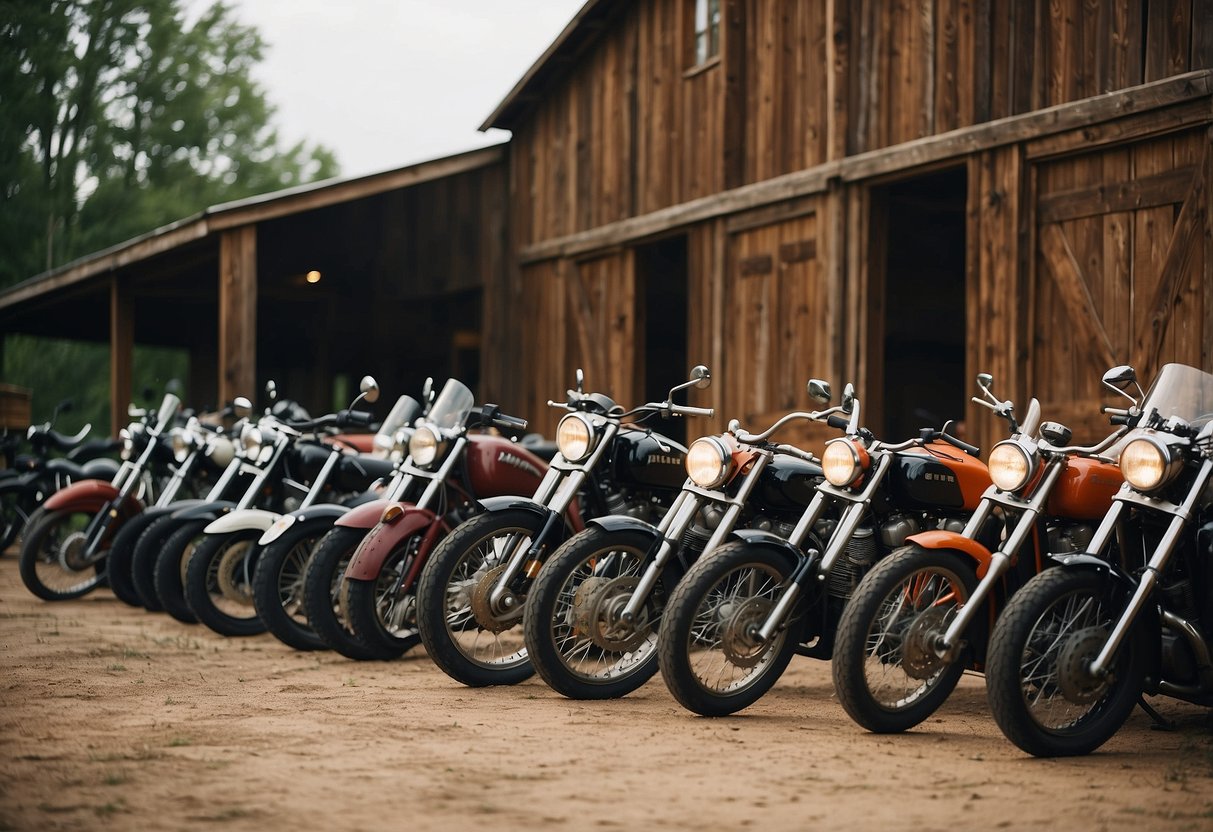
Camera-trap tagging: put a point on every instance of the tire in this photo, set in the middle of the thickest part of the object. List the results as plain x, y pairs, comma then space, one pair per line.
15, 512
122, 553
886, 674
383, 617
705, 626
323, 588
143, 560
455, 636
571, 627
219, 582
278, 584
168, 575
46, 567
1050, 629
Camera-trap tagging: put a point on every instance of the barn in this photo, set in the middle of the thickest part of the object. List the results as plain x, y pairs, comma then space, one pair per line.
899, 195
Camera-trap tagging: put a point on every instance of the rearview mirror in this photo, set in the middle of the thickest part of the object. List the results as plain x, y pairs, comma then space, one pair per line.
819, 391
241, 407
369, 389
702, 376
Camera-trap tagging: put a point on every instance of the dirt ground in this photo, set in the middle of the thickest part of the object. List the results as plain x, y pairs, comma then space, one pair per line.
115, 718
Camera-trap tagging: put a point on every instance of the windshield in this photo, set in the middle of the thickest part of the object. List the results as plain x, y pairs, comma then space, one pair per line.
402, 415
1182, 391
452, 406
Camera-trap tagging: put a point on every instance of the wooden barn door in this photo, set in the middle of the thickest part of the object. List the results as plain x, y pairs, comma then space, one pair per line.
1122, 271
777, 332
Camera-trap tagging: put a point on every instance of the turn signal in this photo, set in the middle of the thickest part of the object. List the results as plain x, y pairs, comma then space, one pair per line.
392, 513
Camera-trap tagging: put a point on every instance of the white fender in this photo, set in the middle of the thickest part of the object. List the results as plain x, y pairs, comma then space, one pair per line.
248, 518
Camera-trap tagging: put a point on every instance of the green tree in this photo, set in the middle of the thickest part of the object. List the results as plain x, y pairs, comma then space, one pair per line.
119, 116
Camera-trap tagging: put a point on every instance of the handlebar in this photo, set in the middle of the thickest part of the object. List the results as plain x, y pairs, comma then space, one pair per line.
357, 418
930, 434
491, 414
836, 421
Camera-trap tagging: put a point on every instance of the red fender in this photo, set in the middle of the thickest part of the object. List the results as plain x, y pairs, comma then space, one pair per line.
940, 539
365, 516
89, 495
385, 538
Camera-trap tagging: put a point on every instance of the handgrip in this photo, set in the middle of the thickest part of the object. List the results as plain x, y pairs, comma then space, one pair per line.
972, 450
687, 410
491, 414
359, 418
836, 421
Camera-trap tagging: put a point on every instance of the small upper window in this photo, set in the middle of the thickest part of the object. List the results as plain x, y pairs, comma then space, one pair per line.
707, 30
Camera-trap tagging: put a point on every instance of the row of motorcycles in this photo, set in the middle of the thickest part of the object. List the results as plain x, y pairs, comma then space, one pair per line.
1076, 578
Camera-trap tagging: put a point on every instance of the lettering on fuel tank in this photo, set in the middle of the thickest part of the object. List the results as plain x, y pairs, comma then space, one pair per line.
930, 477
519, 463
663, 459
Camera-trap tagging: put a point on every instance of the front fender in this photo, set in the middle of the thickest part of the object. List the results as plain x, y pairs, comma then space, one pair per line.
89, 495
250, 518
365, 516
624, 523
770, 540
573, 514
942, 539
385, 538
201, 510
327, 512
1084, 560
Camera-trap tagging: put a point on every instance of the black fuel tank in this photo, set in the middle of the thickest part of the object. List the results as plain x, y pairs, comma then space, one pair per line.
648, 460
788, 482
917, 481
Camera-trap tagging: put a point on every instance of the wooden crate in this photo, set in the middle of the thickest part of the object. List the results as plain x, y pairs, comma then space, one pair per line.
14, 407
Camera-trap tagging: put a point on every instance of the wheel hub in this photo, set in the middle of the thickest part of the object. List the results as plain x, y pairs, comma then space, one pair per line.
1074, 676
739, 636
482, 605
230, 564
71, 552
918, 657
598, 611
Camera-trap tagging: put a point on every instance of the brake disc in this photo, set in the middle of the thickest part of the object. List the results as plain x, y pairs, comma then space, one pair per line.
482, 608
602, 620
1073, 666
71, 551
232, 588
738, 636
918, 659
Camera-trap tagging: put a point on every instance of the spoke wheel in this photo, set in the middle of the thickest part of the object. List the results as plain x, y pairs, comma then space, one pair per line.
887, 673
710, 655
456, 575
323, 589
575, 632
218, 582
1041, 693
49, 563
278, 584
383, 611
14, 515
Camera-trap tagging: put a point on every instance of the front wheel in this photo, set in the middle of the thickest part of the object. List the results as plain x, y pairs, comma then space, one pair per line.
471, 640
278, 584
168, 574
324, 587
1040, 691
886, 672
50, 563
383, 611
573, 627
219, 582
15, 512
710, 656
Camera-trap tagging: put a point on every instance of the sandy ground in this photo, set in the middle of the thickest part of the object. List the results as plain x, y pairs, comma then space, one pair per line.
115, 718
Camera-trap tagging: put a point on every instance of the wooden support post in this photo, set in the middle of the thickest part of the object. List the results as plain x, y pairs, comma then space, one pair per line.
122, 348
237, 313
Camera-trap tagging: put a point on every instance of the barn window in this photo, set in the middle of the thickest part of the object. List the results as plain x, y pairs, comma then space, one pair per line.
707, 30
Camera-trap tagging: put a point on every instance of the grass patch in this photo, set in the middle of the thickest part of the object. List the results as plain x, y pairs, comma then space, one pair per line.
115, 668
115, 778
179, 742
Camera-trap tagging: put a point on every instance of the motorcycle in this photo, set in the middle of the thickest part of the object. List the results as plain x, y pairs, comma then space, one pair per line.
287, 545
923, 615
595, 608
28, 479
202, 451
210, 565
735, 619
473, 590
1082, 642
382, 546
67, 539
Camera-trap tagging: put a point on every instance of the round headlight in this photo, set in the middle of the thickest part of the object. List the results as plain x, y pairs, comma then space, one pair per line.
423, 447
1011, 465
1146, 463
251, 439
575, 437
843, 462
221, 451
181, 443
709, 463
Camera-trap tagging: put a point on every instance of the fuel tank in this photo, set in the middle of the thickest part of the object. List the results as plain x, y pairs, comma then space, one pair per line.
498, 467
937, 476
788, 482
649, 460
1085, 488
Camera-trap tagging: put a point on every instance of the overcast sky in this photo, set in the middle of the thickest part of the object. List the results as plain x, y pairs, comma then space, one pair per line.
386, 83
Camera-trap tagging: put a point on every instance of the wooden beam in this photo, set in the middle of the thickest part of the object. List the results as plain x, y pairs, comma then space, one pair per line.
122, 349
237, 313
1075, 295
1011, 130
1147, 192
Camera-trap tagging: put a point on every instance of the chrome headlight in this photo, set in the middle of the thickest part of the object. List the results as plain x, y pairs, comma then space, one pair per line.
709, 463
1011, 465
424, 447
221, 451
843, 462
575, 437
1148, 464
251, 440
181, 443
